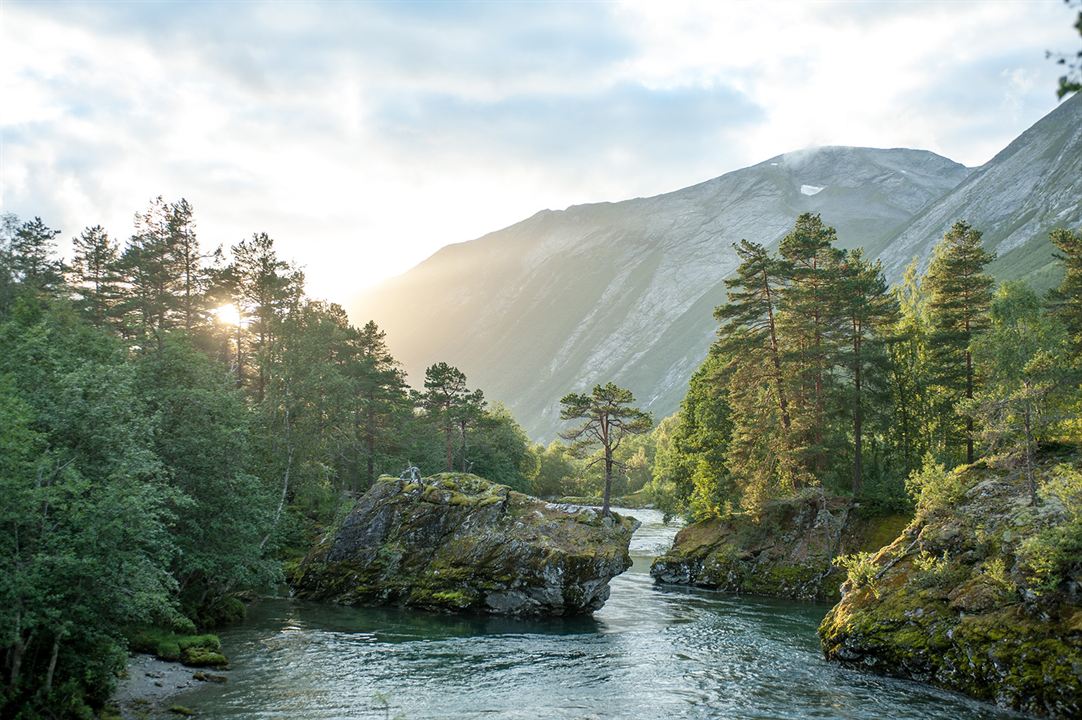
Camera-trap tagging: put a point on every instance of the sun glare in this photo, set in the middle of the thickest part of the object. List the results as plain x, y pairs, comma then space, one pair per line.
228, 314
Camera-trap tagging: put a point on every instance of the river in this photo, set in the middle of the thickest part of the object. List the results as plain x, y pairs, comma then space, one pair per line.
652, 652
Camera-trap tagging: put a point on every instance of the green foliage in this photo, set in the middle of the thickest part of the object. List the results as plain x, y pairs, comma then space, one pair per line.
933, 487
960, 295
607, 418
1055, 554
861, 569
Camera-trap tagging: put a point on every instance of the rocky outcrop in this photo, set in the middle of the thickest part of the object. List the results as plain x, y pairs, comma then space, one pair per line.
979, 594
788, 551
456, 542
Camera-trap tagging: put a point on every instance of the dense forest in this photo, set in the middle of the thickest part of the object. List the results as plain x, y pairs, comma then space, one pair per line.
823, 376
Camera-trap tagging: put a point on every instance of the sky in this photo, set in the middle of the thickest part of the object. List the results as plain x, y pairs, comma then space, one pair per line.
365, 136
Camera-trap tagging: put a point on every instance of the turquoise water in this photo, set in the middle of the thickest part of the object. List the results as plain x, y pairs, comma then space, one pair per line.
651, 652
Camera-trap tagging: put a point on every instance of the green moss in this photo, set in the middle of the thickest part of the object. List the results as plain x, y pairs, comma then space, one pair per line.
202, 657
181, 710
171, 646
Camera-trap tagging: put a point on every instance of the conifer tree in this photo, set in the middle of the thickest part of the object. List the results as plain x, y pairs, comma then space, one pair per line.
960, 294
95, 274
750, 319
266, 287
1067, 298
381, 394
33, 256
811, 325
184, 246
608, 417
445, 390
867, 310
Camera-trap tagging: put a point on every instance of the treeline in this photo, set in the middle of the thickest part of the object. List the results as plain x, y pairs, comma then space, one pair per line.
821, 375
174, 424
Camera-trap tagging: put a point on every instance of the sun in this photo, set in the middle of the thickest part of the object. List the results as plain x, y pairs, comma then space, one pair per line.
228, 314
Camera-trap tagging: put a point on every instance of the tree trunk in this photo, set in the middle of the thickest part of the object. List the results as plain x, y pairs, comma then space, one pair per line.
52, 664
969, 395
448, 447
858, 423
1031, 481
462, 434
608, 481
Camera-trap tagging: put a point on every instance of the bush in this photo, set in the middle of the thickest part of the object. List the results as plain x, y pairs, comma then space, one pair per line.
933, 487
861, 568
1054, 554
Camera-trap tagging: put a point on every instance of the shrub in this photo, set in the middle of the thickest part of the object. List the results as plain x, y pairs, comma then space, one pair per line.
933, 487
861, 569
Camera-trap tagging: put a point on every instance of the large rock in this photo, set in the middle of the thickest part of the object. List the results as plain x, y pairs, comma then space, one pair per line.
953, 600
787, 551
457, 542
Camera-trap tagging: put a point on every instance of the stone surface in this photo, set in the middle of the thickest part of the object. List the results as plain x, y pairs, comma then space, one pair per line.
950, 602
455, 542
787, 552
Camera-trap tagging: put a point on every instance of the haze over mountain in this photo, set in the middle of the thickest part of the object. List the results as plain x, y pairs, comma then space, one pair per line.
625, 291
1030, 187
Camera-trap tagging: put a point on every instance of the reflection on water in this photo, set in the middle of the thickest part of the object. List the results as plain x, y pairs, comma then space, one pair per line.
651, 652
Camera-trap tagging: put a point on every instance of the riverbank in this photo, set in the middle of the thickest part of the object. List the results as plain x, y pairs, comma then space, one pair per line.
150, 686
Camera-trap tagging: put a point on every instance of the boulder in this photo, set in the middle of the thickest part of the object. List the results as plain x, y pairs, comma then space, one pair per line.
957, 599
787, 551
456, 542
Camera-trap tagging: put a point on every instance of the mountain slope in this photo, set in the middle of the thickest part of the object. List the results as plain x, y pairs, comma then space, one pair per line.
1032, 186
624, 291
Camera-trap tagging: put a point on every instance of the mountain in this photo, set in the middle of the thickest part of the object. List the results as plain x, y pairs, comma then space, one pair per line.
625, 291
1032, 186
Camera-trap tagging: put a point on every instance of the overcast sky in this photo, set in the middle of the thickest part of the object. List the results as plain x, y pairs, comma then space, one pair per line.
364, 136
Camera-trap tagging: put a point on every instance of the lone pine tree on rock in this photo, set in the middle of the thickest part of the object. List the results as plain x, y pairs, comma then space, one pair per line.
608, 417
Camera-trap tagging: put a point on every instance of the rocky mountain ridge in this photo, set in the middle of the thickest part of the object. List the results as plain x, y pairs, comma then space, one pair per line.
625, 291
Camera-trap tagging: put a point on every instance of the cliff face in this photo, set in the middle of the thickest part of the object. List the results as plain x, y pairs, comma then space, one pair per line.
979, 594
455, 542
787, 552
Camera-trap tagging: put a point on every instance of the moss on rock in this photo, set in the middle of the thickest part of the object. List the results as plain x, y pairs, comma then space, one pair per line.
951, 604
788, 551
455, 542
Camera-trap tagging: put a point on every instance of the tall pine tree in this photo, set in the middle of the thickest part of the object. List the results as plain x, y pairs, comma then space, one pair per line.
960, 295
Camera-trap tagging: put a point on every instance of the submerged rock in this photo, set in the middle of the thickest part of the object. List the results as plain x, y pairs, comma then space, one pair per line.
957, 599
457, 542
788, 551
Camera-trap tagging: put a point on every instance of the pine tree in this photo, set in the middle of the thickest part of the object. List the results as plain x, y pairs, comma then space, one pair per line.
380, 392
33, 256
749, 320
95, 274
188, 260
1067, 298
960, 294
811, 325
266, 287
867, 310
608, 418
445, 390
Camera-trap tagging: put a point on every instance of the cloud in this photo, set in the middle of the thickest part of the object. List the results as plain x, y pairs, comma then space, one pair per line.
363, 136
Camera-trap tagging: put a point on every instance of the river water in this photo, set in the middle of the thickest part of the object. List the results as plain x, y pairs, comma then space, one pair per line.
651, 652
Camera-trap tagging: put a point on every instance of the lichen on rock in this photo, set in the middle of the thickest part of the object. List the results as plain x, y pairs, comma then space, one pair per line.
787, 551
953, 602
455, 542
